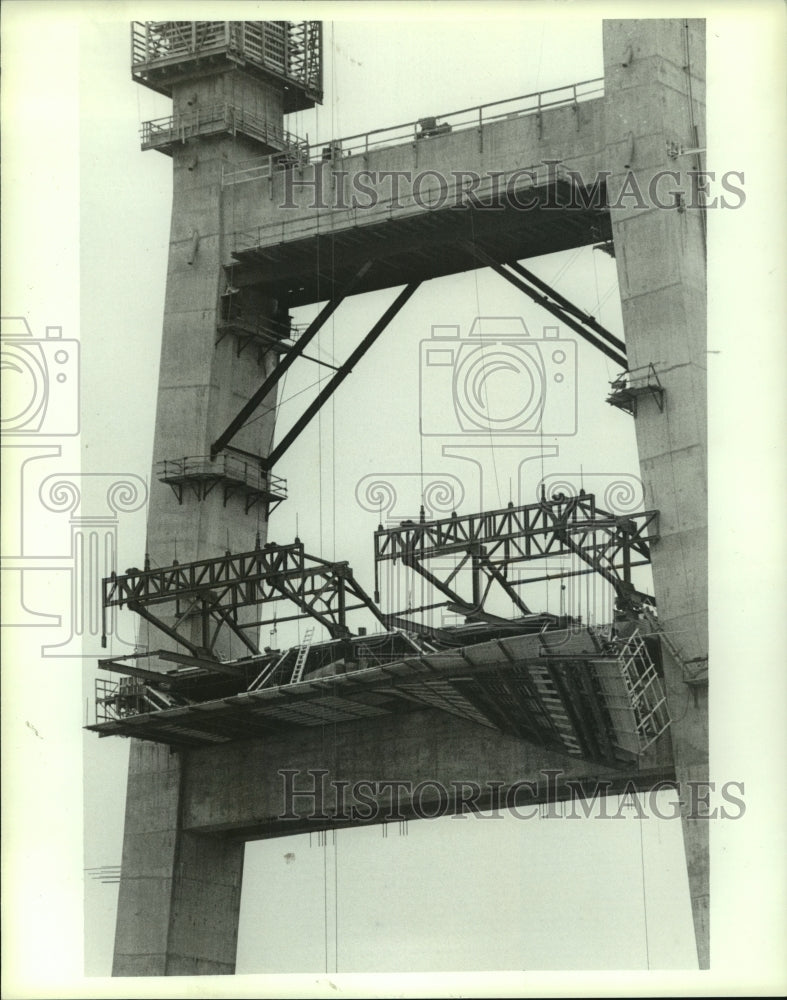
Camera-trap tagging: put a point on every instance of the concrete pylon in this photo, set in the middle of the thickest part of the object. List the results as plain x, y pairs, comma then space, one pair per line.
654, 101
180, 892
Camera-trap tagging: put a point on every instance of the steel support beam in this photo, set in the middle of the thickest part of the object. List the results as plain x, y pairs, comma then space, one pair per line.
569, 306
564, 314
340, 376
163, 627
286, 362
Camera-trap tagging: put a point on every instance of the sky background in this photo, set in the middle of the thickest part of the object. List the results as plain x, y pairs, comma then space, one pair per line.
467, 894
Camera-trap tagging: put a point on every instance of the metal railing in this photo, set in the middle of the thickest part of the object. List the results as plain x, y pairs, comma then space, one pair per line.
644, 377
159, 41
226, 467
266, 329
115, 700
327, 220
425, 129
288, 48
220, 117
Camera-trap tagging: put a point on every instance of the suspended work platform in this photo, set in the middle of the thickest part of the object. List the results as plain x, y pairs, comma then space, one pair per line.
592, 693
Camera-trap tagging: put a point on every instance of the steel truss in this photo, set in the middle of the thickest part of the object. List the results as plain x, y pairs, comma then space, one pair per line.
213, 591
492, 542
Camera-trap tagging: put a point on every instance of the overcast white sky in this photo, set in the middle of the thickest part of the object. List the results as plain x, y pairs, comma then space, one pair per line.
462, 895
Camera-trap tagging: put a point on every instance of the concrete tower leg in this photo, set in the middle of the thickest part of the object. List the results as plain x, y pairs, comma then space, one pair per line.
654, 96
180, 893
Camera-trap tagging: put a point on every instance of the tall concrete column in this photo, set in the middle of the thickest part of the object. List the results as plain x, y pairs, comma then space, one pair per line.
655, 96
180, 892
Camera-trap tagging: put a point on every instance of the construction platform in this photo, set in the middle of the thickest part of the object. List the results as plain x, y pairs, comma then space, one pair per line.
235, 475
570, 690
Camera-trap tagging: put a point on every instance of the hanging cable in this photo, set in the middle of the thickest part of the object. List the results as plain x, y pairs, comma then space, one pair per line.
483, 366
644, 896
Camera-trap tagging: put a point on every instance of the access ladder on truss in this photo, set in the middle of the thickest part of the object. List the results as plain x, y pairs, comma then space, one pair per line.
303, 652
645, 691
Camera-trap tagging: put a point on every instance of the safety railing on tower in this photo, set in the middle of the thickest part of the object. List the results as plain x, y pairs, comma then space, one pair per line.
164, 133
288, 49
236, 474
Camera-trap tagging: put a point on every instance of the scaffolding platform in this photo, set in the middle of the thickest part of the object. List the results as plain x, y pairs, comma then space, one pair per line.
570, 691
631, 385
166, 133
233, 474
164, 53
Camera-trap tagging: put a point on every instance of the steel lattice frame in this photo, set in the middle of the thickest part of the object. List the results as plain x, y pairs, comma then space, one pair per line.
492, 542
216, 589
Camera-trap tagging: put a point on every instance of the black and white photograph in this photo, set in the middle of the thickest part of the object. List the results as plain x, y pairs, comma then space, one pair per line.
392, 445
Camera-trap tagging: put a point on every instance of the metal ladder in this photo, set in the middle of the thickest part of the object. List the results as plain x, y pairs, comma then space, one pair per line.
644, 689
303, 652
